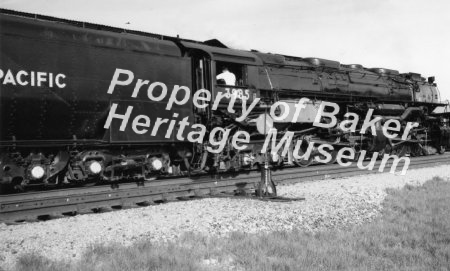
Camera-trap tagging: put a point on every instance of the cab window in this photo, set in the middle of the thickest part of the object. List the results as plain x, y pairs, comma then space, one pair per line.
231, 74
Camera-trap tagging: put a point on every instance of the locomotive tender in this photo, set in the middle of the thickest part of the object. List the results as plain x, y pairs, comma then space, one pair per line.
57, 92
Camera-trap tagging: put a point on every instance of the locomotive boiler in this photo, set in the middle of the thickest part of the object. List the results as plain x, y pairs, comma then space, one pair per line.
56, 95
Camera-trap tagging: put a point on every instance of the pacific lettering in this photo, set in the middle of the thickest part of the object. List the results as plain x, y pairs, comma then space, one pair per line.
32, 78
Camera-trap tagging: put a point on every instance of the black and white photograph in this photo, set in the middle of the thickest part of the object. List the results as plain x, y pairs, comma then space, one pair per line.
224, 135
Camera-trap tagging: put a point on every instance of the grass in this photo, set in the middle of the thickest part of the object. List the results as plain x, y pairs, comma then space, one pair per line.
413, 233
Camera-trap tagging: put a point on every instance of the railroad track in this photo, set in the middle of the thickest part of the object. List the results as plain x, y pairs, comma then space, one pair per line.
58, 203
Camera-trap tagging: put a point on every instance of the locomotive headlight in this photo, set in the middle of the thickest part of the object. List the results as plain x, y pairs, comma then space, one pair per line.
95, 167
157, 164
37, 172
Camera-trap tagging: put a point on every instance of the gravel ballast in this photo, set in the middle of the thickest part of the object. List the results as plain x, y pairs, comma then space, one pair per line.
328, 204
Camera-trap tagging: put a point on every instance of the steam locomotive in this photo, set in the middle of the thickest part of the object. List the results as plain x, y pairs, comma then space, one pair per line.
55, 77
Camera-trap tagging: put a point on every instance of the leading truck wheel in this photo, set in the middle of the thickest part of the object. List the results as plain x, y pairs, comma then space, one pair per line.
400, 151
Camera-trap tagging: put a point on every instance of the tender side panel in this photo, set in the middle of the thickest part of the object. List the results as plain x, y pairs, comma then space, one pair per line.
55, 79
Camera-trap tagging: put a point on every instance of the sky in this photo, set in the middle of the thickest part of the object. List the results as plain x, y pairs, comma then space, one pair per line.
409, 36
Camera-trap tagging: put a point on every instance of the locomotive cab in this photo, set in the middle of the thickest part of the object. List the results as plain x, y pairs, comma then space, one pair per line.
212, 59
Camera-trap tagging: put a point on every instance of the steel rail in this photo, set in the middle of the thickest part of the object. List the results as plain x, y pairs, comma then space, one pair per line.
56, 203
